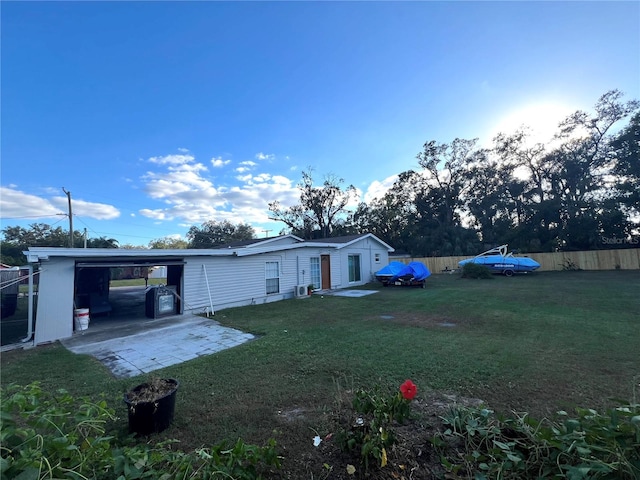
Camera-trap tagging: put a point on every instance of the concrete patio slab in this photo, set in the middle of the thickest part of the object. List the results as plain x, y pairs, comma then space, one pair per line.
144, 346
347, 293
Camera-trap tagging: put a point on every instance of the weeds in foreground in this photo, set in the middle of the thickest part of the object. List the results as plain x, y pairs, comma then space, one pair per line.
588, 445
371, 432
57, 436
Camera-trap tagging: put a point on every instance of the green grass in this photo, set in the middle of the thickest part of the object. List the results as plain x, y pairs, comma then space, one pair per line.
134, 282
534, 343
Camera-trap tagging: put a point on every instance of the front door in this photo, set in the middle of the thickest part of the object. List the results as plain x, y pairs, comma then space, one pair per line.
325, 268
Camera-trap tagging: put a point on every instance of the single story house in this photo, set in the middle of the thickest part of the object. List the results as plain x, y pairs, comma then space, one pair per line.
202, 280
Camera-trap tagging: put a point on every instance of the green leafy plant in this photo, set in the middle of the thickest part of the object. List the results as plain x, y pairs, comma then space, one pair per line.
53, 436
46, 436
589, 445
476, 270
371, 433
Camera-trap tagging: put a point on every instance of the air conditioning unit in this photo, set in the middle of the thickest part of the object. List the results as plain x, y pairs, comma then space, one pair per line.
300, 291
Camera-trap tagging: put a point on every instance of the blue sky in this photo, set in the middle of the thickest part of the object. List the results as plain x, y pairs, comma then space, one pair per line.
161, 115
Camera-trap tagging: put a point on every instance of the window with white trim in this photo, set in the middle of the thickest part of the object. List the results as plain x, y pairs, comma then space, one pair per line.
354, 268
272, 277
377, 257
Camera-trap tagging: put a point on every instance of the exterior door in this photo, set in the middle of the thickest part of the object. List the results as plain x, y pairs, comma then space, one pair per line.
325, 267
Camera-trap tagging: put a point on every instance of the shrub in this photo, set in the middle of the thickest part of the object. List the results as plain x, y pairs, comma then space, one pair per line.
371, 432
589, 445
475, 270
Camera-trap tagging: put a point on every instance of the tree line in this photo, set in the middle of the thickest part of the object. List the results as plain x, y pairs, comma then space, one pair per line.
579, 192
209, 235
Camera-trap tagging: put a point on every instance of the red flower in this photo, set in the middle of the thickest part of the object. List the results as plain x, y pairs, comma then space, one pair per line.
408, 390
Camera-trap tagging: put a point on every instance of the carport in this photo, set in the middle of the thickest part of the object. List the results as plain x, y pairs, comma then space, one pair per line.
93, 289
75, 279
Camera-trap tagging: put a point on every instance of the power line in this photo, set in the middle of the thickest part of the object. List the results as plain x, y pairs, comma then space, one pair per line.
31, 216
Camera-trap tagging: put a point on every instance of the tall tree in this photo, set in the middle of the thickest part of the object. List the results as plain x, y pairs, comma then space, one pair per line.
213, 234
37, 235
440, 199
586, 161
168, 243
392, 217
18, 239
102, 242
321, 209
533, 191
626, 170
493, 199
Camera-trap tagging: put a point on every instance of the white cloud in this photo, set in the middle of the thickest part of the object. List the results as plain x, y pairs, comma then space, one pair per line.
172, 159
182, 182
263, 177
15, 203
378, 189
99, 211
248, 163
183, 150
265, 156
190, 196
219, 162
175, 236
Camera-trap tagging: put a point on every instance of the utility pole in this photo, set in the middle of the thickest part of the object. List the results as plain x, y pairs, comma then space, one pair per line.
70, 218
85, 238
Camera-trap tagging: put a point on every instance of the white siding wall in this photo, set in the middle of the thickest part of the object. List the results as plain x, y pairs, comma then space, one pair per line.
54, 316
367, 249
338, 278
235, 281
238, 281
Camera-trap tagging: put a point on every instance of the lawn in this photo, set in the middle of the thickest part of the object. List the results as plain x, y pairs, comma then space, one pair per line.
534, 343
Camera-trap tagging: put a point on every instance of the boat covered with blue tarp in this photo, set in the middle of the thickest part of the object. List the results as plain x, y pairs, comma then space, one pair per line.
397, 273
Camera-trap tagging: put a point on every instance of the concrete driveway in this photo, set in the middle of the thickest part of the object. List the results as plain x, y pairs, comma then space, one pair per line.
131, 344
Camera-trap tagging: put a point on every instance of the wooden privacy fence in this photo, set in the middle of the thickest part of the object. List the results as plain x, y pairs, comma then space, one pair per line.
621, 259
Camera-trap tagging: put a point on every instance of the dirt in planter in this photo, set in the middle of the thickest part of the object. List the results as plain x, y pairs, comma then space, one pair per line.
151, 391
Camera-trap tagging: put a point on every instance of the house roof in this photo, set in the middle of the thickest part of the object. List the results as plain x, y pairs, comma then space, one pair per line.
257, 242
36, 254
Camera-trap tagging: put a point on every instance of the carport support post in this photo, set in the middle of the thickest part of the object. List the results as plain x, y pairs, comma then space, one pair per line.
206, 277
30, 307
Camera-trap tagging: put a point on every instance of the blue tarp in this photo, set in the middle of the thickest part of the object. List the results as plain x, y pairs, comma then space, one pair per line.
415, 270
390, 270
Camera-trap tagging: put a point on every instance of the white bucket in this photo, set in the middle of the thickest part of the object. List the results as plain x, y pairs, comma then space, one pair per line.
81, 318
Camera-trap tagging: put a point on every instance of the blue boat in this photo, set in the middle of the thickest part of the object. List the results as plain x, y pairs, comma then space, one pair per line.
499, 261
397, 273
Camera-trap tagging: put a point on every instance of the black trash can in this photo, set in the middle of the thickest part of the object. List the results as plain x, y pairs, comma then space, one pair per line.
160, 301
152, 416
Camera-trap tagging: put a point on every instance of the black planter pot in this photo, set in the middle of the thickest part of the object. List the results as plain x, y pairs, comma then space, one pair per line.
152, 416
